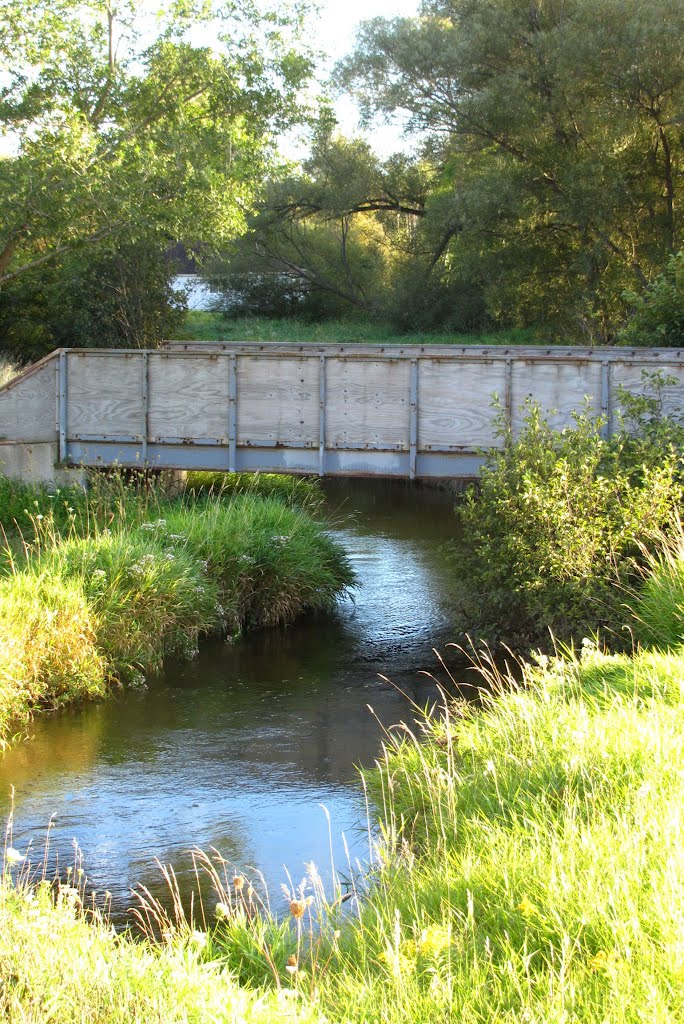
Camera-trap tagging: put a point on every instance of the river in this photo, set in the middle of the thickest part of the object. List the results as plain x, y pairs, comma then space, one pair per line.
251, 747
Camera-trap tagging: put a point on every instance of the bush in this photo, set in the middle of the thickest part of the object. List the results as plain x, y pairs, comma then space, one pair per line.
271, 562
117, 296
658, 316
560, 526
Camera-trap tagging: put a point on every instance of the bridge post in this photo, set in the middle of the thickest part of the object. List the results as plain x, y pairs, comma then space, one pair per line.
232, 413
145, 406
62, 406
413, 419
605, 398
321, 414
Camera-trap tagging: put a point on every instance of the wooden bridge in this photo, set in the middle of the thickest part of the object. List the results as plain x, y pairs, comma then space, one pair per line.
386, 410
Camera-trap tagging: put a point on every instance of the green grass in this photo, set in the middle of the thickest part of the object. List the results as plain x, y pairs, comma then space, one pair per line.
304, 492
61, 966
207, 326
102, 591
531, 869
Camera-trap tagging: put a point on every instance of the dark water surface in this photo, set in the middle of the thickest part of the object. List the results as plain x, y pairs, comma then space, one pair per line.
242, 748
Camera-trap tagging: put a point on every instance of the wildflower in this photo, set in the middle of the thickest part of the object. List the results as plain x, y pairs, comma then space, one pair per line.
99, 574
13, 856
239, 882
222, 910
298, 907
434, 940
169, 556
527, 908
291, 964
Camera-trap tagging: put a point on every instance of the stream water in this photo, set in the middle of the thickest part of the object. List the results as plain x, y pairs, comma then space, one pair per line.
250, 747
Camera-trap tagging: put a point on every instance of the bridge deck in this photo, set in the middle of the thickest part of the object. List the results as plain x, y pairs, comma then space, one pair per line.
387, 410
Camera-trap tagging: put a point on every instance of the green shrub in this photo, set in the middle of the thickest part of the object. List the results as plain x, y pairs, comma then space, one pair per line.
658, 314
560, 525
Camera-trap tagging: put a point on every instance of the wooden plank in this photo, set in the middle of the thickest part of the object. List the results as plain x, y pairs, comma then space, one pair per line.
104, 394
188, 397
558, 388
630, 375
28, 410
455, 404
367, 403
278, 401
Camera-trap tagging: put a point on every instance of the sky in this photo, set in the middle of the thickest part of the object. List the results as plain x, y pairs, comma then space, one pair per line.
335, 34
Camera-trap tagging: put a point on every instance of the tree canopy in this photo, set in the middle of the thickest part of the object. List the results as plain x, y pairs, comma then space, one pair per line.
128, 120
558, 128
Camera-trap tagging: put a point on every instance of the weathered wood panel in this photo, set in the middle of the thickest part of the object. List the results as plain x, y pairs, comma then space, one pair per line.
367, 403
455, 403
28, 409
633, 376
189, 397
278, 401
104, 395
559, 388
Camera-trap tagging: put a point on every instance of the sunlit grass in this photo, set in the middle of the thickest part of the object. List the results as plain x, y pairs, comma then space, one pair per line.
8, 370
101, 591
530, 868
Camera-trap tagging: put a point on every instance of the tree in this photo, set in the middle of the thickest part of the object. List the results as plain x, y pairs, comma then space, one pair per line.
558, 130
348, 232
129, 121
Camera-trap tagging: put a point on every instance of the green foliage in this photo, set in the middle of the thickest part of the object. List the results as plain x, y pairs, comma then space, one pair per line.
124, 128
560, 525
658, 313
659, 604
553, 132
48, 651
272, 562
204, 326
151, 599
524, 875
53, 952
117, 296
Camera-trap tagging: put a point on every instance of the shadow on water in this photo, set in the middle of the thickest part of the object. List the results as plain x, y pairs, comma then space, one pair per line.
241, 748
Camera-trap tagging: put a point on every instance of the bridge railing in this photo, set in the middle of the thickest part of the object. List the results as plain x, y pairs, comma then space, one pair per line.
408, 411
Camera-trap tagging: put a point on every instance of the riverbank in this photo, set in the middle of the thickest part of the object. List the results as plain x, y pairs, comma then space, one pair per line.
531, 869
98, 589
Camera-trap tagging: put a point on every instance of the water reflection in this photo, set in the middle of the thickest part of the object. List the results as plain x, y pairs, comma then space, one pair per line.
240, 748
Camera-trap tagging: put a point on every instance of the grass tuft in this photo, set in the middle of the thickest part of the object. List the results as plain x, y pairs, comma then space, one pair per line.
102, 586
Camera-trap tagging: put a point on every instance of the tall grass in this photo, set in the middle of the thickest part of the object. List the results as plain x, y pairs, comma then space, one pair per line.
304, 492
8, 370
95, 593
530, 869
60, 964
659, 605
